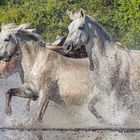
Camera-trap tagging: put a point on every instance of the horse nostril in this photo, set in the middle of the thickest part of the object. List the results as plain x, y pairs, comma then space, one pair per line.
69, 48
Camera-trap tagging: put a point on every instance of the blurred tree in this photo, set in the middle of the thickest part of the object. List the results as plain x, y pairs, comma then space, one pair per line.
127, 18
3, 2
120, 18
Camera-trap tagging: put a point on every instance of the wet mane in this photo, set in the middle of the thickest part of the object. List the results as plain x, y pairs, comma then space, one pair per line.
102, 34
24, 31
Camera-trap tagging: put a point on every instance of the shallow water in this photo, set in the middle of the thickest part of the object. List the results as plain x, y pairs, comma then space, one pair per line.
67, 135
58, 116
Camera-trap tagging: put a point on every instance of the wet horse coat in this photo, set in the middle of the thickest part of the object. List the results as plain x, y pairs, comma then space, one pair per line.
115, 69
47, 74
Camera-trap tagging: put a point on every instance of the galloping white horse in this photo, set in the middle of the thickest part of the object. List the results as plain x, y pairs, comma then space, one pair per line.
46, 73
116, 70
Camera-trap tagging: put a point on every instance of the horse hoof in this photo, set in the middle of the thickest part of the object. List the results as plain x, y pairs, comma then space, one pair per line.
8, 111
38, 120
103, 121
34, 123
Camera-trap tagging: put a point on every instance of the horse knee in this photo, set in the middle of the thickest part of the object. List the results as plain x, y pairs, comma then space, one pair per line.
8, 96
93, 101
9, 93
91, 107
29, 92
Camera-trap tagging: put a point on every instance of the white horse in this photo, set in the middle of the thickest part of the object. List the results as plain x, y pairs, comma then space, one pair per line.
46, 73
115, 69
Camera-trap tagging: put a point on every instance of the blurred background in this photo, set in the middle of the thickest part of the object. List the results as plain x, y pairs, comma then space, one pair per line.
121, 18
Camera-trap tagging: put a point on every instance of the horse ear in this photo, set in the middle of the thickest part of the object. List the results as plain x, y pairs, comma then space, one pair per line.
70, 14
75, 15
82, 13
59, 41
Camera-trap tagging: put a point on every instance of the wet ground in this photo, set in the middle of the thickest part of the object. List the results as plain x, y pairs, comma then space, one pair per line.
70, 122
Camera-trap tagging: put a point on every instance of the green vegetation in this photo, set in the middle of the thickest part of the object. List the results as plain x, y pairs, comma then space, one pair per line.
121, 18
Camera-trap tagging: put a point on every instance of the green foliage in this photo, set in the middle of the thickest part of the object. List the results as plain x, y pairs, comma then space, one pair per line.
120, 18
127, 17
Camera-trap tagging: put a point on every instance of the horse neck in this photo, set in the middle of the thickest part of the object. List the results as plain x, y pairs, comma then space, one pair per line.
97, 45
98, 35
29, 52
109, 61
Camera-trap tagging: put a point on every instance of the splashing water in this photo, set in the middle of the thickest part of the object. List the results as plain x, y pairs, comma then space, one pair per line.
59, 116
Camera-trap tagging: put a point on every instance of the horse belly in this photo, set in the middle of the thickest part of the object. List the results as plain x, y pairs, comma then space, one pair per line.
74, 87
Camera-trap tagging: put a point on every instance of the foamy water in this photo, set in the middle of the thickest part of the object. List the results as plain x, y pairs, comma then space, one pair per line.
58, 116
55, 116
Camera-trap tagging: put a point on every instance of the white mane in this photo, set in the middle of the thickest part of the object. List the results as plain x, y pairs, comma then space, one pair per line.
24, 28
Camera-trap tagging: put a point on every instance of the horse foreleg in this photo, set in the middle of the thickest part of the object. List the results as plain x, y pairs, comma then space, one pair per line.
44, 109
42, 105
20, 92
91, 107
8, 97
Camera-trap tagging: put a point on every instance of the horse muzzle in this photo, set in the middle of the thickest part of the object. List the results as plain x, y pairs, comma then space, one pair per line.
68, 47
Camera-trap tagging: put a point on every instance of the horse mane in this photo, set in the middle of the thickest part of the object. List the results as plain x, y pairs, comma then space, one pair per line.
98, 28
103, 35
23, 29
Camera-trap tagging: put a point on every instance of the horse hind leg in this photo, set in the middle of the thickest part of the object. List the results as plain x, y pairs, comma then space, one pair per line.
92, 109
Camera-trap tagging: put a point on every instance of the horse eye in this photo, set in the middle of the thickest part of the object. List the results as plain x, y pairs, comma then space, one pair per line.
6, 39
81, 27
